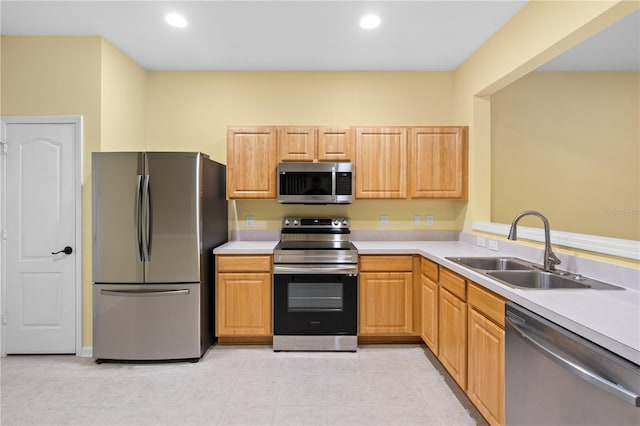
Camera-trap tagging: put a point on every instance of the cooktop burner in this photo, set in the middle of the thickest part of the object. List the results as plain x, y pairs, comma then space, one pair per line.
305, 240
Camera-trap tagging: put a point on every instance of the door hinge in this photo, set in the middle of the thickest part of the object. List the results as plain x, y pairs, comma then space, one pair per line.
4, 147
4, 319
4, 234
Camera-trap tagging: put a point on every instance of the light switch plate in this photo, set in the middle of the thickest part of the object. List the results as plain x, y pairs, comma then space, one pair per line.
429, 220
417, 220
384, 220
249, 221
493, 245
480, 241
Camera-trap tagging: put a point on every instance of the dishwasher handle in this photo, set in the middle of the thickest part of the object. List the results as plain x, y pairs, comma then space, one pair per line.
591, 377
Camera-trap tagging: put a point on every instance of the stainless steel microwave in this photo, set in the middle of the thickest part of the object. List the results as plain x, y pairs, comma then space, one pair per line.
315, 183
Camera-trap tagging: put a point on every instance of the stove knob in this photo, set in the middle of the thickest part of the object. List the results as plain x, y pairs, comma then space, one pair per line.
287, 222
295, 222
336, 222
345, 222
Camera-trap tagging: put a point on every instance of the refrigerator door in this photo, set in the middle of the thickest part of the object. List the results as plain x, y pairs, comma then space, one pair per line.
146, 322
116, 197
171, 217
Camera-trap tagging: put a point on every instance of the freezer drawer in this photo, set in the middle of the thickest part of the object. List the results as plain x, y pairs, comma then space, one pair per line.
146, 322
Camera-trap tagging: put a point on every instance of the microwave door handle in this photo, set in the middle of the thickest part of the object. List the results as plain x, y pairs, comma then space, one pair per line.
333, 183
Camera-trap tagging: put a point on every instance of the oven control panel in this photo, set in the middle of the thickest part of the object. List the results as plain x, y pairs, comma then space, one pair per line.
315, 222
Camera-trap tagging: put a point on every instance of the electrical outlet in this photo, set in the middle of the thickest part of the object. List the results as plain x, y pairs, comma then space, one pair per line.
493, 245
429, 220
384, 220
249, 221
417, 220
480, 241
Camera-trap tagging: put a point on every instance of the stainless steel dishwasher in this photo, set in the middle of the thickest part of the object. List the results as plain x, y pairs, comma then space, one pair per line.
555, 377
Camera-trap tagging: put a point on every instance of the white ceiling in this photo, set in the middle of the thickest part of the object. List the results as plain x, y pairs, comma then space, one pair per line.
287, 35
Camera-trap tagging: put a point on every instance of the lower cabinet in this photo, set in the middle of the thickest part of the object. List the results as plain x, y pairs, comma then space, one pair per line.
385, 295
452, 330
429, 304
485, 380
243, 296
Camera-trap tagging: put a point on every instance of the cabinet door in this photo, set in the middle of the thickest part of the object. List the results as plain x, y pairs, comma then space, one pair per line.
335, 144
429, 331
438, 167
486, 367
452, 328
297, 143
243, 304
251, 162
385, 303
381, 163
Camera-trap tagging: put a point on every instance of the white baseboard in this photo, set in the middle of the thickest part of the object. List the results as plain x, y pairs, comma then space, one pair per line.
629, 249
86, 352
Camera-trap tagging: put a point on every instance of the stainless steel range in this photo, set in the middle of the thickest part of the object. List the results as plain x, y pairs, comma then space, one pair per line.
315, 291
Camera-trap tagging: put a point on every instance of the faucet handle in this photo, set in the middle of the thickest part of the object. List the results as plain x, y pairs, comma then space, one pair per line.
553, 260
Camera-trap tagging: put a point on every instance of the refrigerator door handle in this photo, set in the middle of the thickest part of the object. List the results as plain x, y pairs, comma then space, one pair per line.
146, 220
139, 216
143, 293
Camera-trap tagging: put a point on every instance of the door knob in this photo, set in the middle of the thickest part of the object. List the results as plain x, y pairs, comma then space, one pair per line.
66, 250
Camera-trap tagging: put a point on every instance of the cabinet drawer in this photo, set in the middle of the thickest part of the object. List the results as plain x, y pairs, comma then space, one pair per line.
244, 263
386, 263
430, 269
486, 302
454, 283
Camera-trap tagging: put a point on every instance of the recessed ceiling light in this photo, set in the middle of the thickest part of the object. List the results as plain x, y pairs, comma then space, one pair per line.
175, 20
369, 21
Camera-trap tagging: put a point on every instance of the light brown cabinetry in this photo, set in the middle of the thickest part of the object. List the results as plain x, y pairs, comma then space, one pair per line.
486, 339
452, 325
314, 144
243, 296
251, 162
429, 306
438, 166
381, 162
385, 295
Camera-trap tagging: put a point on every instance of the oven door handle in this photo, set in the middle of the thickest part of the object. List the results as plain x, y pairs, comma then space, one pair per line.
307, 269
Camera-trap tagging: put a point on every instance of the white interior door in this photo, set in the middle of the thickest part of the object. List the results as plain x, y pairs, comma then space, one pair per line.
41, 204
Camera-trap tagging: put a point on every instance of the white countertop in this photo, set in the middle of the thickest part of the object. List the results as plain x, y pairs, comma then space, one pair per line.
609, 318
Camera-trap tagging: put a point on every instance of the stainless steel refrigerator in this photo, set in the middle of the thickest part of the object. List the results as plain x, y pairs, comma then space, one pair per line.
156, 218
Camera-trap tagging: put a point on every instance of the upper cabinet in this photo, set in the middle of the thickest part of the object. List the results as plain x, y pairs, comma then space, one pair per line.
335, 144
315, 144
297, 143
251, 162
381, 162
438, 166
389, 162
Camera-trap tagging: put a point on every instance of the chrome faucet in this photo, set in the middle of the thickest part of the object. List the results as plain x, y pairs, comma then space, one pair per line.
550, 259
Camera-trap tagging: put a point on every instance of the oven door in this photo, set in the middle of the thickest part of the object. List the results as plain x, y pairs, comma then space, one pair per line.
315, 304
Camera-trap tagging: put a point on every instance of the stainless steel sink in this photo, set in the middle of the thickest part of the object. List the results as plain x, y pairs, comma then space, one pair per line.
493, 263
549, 280
518, 273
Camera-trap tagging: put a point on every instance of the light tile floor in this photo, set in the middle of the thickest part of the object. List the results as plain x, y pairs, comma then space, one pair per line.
234, 385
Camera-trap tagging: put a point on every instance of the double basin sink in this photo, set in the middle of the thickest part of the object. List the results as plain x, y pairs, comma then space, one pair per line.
519, 273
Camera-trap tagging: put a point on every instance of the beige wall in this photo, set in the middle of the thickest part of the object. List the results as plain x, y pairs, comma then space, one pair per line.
567, 144
191, 111
122, 98
541, 31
